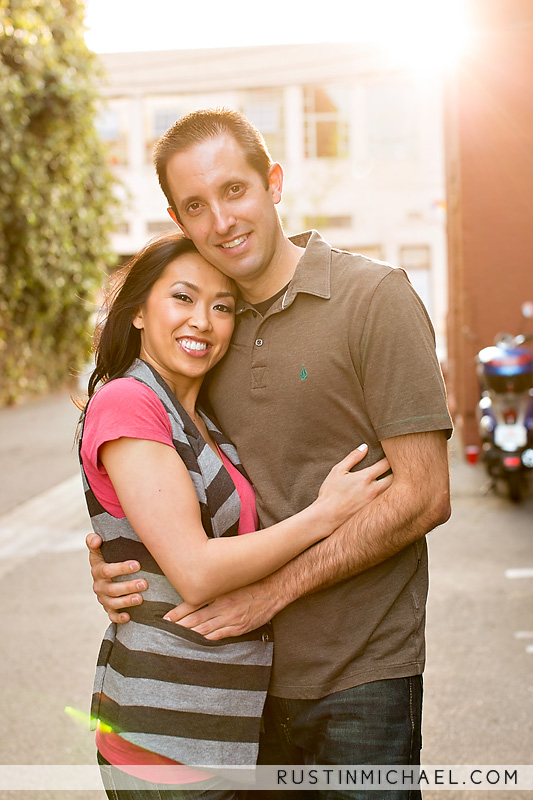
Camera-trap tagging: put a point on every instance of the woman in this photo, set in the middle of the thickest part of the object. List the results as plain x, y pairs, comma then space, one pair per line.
165, 487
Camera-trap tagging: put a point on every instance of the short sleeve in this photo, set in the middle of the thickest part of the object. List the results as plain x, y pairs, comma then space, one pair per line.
122, 407
402, 379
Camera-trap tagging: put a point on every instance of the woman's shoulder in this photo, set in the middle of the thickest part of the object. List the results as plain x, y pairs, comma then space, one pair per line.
127, 398
120, 388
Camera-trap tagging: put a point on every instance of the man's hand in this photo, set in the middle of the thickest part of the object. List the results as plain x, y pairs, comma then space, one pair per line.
113, 595
232, 614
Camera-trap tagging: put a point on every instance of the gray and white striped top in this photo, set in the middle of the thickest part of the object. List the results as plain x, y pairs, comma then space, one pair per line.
162, 686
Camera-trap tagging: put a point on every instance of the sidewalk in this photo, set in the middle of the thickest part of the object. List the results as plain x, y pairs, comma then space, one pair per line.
37, 450
42, 508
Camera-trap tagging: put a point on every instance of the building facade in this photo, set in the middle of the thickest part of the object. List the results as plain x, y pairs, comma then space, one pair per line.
489, 146
360, 141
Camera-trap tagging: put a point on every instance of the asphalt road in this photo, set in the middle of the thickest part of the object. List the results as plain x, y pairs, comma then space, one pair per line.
479, 679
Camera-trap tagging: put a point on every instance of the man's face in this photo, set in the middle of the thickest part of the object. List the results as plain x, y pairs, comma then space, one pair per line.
225, 208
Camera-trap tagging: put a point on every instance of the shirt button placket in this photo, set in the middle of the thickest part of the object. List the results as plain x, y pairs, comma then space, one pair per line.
259, 356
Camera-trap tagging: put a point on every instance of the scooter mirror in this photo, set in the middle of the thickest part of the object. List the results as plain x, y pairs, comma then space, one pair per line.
527, 310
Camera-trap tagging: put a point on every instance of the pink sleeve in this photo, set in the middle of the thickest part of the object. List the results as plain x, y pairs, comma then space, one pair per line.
122, 407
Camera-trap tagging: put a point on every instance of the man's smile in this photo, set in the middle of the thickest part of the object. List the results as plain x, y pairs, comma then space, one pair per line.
235, 242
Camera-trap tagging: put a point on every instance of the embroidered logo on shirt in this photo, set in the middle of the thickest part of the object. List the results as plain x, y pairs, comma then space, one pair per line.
303, 373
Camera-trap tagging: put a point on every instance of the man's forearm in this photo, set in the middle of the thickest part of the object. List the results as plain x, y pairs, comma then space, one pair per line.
405, 512
362, 542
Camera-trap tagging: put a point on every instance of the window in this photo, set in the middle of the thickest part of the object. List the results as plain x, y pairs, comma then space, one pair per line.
320, 222
416, 261
264, 107
111, 126
374, 251
121, 227
160, 119
165, 226
326, 111
392, 120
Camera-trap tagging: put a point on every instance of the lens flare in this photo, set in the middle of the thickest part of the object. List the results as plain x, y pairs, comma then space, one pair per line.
85, 720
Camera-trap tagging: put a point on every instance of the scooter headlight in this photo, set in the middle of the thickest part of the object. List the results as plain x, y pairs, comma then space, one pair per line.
527, 458
486, 424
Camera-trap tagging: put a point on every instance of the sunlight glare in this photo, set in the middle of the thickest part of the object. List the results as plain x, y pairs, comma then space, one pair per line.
426, 35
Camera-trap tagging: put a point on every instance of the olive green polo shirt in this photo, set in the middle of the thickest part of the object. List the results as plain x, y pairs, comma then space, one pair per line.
346, 356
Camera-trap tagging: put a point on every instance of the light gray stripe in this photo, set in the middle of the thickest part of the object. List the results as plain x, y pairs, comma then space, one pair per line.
182, 697
230, 451
196, 752
209, 463
159, 589
115, 528
178, 432
227, 514
99, 679
110, 633
199, 486
136, 636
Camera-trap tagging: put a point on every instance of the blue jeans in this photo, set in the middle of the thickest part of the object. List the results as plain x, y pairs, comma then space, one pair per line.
376, 723
121, 786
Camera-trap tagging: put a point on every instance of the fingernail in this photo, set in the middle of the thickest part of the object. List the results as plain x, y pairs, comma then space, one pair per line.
167, 619
133, 566
362, 446
136, 600
141, 585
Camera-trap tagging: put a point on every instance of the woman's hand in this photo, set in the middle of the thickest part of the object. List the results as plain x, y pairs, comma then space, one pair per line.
344, 492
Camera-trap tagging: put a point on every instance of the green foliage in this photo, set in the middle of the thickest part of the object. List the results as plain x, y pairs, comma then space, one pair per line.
56, 202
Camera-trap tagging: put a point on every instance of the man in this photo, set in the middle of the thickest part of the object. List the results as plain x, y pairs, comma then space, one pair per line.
330, 350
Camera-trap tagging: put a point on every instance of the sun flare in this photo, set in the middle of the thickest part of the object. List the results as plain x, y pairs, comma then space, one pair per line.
424, 35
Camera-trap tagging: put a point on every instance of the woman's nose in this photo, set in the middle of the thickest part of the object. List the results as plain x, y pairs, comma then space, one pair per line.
200, 319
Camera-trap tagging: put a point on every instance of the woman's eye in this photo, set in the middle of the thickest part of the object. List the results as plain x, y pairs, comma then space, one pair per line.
235, 189
222, 307
181, 296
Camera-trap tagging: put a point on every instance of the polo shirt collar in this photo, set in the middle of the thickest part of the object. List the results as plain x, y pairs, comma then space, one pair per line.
313, 271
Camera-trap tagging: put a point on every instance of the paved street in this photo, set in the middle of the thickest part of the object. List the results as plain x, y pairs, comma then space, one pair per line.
479, 680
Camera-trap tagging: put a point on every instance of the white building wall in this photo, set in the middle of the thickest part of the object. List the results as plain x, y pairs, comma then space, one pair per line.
391, 184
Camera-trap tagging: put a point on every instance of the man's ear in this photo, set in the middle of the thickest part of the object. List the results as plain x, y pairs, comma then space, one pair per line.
175, 219
275, 181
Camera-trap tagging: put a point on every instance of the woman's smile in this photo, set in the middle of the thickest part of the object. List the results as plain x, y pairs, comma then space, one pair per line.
197, 348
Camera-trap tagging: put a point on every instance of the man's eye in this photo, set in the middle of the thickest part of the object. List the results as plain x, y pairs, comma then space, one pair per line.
235, 189
193, 207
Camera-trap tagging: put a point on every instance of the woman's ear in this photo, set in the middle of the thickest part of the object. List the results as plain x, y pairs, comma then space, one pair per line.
137, 320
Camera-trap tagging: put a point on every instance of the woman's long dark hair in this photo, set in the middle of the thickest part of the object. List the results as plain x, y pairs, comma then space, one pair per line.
117, 342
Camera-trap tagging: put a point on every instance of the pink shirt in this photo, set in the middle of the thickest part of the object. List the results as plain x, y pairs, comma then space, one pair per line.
126, 407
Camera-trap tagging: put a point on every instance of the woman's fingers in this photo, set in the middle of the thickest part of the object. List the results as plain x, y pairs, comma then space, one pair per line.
352, 458
379, 468
356, 456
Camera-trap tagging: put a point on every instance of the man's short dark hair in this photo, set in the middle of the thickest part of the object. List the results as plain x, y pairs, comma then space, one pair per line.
204, 124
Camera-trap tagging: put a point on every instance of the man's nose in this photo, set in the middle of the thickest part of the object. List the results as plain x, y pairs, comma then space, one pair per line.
223, 219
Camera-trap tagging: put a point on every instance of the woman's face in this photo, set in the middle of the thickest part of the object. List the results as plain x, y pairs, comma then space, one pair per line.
187, 320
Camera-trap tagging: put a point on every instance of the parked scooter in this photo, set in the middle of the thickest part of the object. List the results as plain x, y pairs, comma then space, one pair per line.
505, 410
